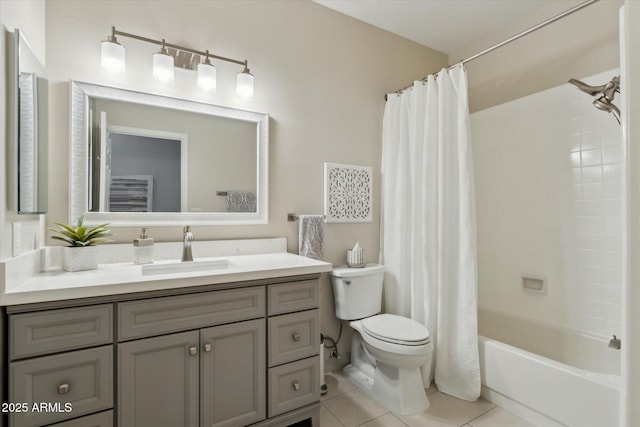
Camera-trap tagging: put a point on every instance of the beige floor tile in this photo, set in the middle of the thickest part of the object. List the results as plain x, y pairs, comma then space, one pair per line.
387, 420
327, 419
337, 384
432, 388
498, 417
354, 408
448, 411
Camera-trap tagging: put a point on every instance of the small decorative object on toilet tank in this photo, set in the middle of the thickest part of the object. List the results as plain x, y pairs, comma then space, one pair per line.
356, 257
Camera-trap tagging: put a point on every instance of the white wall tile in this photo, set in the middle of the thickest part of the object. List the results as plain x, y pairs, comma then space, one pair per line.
549, 203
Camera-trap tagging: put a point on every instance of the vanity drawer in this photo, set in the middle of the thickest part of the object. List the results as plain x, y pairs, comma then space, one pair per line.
158, 316
293, 336
83, 379
44, 332
103, 419
296, 296
294, 385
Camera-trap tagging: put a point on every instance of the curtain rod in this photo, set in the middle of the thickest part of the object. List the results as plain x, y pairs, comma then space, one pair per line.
513, 38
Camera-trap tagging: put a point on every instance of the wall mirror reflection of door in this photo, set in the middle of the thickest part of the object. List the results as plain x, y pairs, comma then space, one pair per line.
139, 170
151, 159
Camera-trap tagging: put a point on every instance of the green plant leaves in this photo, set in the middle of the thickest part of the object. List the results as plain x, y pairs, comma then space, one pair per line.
80, 235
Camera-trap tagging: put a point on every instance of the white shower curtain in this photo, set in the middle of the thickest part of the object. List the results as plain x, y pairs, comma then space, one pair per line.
428, 224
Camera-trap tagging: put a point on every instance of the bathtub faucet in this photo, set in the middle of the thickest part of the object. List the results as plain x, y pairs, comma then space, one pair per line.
614, 343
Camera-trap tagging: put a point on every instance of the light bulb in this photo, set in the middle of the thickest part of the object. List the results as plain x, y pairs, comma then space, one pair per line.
206, 76
112, 58
244, 83
163, 66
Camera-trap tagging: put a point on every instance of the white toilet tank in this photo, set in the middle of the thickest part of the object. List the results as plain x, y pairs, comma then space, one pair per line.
357, 291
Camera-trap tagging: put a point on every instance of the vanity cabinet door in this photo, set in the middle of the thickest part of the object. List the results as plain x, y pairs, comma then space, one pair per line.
158, 381
68, 385
233, 375
293, 336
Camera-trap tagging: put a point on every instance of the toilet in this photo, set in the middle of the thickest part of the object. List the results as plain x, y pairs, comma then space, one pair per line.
387, 351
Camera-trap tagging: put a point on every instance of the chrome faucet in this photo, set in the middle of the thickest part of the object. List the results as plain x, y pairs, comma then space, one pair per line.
186, 249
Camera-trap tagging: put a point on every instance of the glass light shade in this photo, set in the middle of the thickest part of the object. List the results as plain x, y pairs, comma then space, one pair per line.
163, 67
112, 58
244, 84
206, 76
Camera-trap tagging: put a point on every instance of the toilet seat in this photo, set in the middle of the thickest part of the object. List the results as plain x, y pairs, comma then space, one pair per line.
396, 330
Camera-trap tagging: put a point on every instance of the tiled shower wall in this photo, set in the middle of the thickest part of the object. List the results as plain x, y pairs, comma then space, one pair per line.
548, 181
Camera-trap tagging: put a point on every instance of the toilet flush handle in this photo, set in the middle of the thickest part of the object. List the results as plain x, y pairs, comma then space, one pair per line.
347, 282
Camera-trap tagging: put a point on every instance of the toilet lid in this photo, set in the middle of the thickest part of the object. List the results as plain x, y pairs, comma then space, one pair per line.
396, 329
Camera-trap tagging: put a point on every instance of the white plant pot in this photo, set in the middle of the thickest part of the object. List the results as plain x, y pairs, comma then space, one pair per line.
79, 258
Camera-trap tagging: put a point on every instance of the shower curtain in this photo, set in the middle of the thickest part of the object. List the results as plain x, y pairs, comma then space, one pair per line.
428, 224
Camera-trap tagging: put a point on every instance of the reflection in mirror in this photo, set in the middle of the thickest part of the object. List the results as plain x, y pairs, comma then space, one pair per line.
141, 159
152, 159
32, 89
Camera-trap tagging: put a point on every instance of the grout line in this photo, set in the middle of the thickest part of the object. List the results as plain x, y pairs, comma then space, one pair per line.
382, 415
333, 415
485, 412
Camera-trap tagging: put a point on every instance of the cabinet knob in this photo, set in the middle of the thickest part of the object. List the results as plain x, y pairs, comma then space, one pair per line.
295, 337
63, 388
296, 385
193, 350
207, 347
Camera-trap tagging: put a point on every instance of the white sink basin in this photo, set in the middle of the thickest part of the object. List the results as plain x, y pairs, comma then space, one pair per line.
176, 267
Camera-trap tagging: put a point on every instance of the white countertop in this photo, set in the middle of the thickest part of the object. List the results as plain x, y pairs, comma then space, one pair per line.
126, 277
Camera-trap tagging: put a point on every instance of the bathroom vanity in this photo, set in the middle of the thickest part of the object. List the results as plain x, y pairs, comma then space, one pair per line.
229, 347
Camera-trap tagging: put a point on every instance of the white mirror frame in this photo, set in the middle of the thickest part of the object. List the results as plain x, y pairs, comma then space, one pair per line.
79, 173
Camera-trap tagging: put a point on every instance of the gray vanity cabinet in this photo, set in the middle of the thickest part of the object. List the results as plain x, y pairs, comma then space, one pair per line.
158, 381
60, 364
294, 343
212, 377
227, 355
207, 376
232, 380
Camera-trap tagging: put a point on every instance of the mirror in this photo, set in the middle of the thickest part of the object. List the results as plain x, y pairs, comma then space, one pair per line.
142, 159
32, 90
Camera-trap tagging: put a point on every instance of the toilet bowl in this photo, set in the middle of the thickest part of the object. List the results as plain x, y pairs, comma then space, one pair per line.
387, 351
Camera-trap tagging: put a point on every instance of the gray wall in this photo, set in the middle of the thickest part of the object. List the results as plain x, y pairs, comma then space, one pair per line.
319, 74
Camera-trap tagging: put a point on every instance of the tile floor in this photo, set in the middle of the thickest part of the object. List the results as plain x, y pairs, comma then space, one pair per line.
345, 405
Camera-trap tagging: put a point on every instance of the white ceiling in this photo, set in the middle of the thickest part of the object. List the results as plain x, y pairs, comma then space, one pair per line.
445, 25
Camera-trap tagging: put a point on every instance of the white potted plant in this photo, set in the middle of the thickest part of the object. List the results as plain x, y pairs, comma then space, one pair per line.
81, 254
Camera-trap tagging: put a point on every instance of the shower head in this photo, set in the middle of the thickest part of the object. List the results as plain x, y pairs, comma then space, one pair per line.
608, 90
591, 90
603, 104
605, 94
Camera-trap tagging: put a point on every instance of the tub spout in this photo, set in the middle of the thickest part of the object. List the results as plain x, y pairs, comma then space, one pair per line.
614, 343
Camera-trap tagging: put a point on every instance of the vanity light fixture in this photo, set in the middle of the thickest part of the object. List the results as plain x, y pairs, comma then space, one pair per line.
172, 55
163, 65
244, 84
112, 58
206, 74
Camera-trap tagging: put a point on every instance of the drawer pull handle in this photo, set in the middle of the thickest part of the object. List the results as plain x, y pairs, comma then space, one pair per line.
63, 388
296, 385
207, 348
193, 350
296, 337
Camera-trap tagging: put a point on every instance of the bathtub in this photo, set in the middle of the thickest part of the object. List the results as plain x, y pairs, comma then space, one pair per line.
547, 375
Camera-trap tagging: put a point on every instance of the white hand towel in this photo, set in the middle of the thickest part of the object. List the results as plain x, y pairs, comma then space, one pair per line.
311, 236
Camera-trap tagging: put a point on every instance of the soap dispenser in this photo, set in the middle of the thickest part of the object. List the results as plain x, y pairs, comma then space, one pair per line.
143, 248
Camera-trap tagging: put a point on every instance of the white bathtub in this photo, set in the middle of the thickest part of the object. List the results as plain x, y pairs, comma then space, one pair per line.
544, 391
